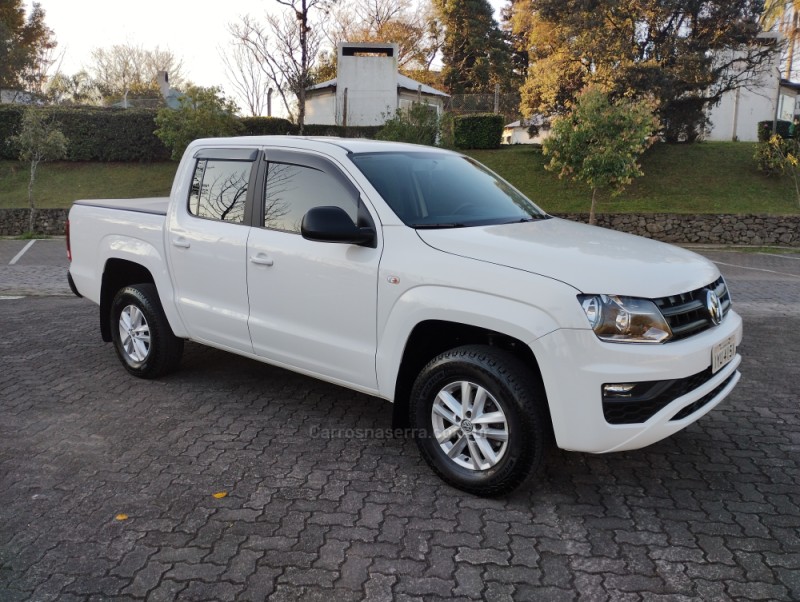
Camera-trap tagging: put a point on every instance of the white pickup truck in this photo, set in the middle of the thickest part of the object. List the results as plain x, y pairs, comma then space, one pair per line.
416, 275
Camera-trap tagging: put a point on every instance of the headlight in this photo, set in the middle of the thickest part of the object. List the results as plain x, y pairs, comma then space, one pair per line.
625, 319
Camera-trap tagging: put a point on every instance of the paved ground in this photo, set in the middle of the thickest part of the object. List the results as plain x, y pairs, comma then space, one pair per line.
711, 514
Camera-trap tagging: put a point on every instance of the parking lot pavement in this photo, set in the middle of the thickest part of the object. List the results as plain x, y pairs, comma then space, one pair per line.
31, 268
107, 483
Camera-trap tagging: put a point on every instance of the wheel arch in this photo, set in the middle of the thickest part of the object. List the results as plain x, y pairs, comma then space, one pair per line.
431, 337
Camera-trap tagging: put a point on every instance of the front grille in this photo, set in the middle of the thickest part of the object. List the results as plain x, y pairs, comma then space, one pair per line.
687, 313
647, 398
693, 407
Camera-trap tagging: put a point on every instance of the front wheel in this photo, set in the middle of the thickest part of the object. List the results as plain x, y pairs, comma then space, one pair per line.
478, 417
143, 339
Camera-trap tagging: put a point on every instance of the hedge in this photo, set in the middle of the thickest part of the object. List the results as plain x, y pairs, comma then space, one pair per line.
483, 130
765, 129
94, 134
126, 135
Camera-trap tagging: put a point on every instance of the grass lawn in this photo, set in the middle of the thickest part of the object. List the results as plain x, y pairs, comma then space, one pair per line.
58, 184
712, 177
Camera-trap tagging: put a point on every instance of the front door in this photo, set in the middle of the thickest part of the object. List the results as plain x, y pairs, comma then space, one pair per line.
312, 304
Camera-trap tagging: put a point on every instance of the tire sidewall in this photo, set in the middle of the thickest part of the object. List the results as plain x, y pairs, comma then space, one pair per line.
138, 296
524, 443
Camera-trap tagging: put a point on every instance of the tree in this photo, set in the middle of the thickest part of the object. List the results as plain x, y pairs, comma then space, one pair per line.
26, 47
413, 26
686, 53
599, 142
785, 15
39, 139
247, 78
285, 50
76, 89
203, 113
474, 52
125, 69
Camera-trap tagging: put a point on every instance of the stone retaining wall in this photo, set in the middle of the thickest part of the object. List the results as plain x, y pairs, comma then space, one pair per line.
756, 230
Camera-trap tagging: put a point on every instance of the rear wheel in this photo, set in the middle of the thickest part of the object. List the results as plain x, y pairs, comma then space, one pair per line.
143, 339
478, 416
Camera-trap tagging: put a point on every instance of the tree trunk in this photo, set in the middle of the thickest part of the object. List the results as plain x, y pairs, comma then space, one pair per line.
31, 204
592, 219
301, 96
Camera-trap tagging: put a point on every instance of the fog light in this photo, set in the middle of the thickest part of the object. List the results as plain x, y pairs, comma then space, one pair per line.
617, 390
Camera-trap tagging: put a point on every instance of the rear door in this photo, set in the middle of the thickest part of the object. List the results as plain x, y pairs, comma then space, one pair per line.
312, 304
207, 242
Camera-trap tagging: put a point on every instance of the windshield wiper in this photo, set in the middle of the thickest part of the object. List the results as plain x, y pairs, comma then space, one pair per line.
435, 226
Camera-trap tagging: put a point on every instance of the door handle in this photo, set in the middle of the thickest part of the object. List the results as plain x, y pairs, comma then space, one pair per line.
181, 242
261, 259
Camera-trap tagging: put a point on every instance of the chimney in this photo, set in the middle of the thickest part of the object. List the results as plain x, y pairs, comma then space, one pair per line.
163, 83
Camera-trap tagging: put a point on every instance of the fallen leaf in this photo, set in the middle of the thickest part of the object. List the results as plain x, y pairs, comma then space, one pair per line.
220, 494
121, 517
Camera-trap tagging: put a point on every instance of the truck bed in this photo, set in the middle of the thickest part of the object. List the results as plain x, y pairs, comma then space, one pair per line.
154, 205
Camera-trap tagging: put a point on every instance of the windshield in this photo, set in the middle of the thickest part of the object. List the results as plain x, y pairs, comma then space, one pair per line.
440, 190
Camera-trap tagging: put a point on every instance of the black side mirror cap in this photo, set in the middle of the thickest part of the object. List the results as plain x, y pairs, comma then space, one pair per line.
332, 224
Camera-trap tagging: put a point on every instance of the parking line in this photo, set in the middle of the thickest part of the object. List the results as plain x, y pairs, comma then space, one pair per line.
19, 255
744, 267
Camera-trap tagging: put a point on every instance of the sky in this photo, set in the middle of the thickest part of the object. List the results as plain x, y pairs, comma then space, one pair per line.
194, 31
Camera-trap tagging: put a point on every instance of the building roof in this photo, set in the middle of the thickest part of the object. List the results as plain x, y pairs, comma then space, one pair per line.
403, 82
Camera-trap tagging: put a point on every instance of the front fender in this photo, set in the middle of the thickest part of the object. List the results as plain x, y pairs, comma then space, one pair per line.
506, 316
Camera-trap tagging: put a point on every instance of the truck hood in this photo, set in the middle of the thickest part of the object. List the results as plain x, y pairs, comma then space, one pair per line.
589, 258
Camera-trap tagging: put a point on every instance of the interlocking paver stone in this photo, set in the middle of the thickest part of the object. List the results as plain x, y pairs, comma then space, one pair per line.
709, 514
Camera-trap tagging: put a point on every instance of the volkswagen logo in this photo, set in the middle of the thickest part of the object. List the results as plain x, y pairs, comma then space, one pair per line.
466, 426
714, 307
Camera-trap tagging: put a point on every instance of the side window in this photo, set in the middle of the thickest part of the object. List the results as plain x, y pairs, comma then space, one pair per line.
292, 190
219, 189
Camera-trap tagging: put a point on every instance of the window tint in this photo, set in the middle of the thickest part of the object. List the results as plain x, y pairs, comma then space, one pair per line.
294, 189
219, 189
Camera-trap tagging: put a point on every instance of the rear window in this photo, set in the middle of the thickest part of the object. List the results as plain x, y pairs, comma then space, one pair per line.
219, 189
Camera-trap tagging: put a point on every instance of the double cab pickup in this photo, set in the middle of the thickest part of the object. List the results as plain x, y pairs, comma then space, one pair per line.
419, 276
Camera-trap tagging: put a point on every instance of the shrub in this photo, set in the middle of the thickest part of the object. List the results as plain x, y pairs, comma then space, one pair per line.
203, 113
341, 131
417, 125
95, 134
483, 130
765, 129
267, 126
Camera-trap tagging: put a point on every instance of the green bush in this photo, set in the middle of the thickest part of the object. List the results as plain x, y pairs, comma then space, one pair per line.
267, 126
418, 125
341, 131
483, 130
95, 134
765, 129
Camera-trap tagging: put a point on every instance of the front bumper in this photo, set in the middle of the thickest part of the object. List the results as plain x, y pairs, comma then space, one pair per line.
575, 365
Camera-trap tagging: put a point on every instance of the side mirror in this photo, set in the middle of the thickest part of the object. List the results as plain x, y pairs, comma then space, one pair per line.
332, 224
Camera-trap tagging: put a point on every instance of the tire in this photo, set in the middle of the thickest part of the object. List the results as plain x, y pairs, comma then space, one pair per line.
504, 445
143, 339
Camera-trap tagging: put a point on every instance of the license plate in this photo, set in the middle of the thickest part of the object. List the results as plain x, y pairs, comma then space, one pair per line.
722, 353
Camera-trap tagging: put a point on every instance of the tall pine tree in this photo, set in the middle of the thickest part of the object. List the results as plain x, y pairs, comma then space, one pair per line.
474, 54
25, 42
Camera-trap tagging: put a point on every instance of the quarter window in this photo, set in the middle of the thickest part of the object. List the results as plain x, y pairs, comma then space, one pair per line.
219, 189
292, 190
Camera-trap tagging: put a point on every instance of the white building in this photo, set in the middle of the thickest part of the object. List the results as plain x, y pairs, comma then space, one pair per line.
368, 88
737, 114
517, 132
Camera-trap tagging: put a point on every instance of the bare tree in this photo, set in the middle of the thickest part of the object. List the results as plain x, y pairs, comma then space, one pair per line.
286, 49
128, 68
247, 78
